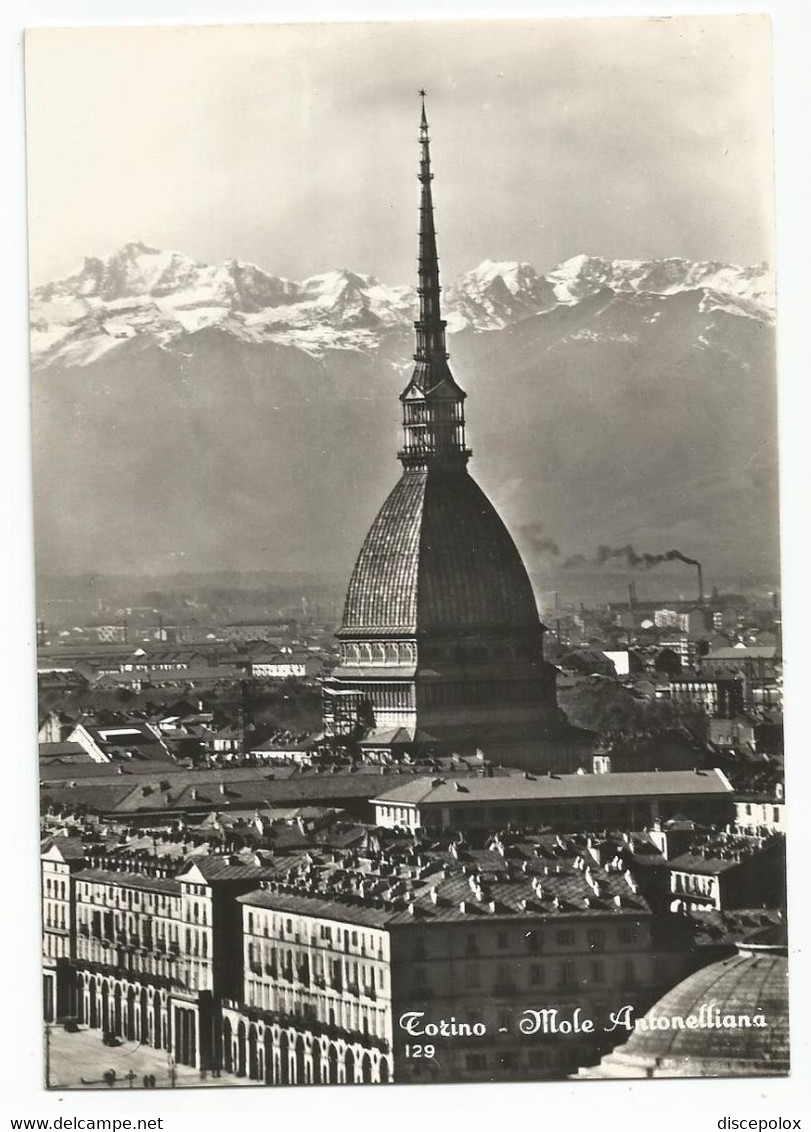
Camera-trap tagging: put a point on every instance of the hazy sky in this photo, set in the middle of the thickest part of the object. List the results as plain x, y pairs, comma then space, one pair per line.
295, 147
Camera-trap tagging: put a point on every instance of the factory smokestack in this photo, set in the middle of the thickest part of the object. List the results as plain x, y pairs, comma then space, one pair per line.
700, 584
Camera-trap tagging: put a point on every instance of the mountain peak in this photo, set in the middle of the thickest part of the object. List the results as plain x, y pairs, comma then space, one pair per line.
513, 272
583, 275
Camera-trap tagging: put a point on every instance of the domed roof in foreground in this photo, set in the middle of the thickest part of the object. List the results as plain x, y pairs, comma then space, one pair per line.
438, 557
752, 984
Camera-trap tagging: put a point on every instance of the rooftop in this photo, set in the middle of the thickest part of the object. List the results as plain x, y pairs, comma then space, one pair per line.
448, 891
130, 880
568, 787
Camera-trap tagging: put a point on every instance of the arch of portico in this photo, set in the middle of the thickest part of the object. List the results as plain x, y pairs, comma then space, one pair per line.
129, 1008
287, 1055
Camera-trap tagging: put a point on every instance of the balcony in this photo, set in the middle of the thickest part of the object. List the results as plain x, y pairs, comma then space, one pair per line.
353, 988
370, 992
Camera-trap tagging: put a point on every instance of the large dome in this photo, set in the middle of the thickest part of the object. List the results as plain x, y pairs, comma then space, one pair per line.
753, 985
438, 557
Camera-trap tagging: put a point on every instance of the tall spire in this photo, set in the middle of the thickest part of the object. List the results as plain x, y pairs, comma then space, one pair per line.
430, 327
433, 404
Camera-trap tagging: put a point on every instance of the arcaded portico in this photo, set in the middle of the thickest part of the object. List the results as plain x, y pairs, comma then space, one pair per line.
275, 1054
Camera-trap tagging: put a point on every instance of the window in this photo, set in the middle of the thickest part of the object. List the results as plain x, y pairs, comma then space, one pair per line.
628, 972
536, 975
471, 976
503, 940
567, 974
471, 946
775, 814
503, 977
598, 971
596, 939
534, 941
628, 934
565, 938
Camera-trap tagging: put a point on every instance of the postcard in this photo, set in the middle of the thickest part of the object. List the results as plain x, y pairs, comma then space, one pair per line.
408, 587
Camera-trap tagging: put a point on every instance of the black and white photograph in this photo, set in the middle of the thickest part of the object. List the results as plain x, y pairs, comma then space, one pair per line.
409, 637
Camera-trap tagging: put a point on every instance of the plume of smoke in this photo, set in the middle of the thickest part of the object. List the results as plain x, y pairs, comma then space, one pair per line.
628, 556
640, 561
540, 543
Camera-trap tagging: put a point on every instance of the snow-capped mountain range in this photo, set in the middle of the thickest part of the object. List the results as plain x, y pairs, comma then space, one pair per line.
140, 292
219, 416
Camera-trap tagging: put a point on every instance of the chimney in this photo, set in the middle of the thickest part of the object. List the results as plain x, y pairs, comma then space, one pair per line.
700, 584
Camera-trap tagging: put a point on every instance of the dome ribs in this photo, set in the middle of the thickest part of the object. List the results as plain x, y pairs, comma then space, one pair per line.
382, 595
